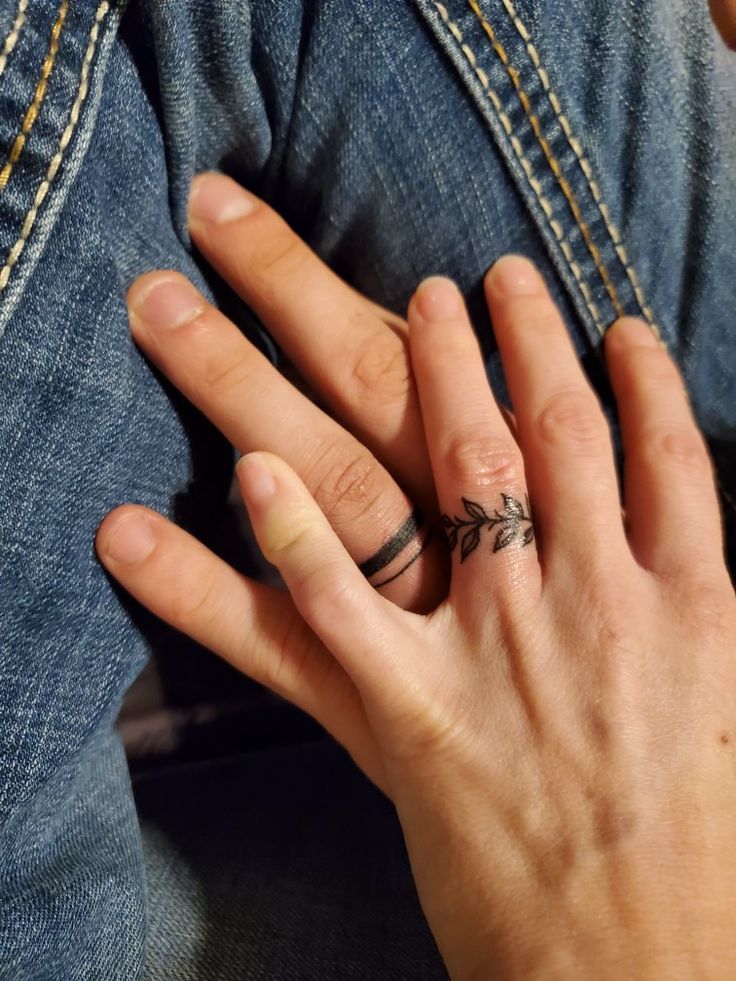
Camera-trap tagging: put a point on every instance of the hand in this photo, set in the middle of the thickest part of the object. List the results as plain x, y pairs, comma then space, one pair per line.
558, 735
724, 15
354, 354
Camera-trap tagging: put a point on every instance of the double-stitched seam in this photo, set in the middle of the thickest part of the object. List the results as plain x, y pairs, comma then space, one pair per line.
553, 162
554, 224
64, 142
593, 185
12, 39
38, 96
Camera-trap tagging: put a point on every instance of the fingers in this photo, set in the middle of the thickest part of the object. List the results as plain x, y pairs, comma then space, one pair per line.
724, 16
360, 627
671, 502
256, 629
563, 434
242, 393
339, 341
478, 468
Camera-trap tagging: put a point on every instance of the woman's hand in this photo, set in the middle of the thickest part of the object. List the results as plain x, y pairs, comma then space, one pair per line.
558, 735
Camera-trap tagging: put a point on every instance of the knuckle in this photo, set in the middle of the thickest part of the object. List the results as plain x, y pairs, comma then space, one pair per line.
682, 448
348, 481
327, 597
572, 419
195, 602
220, 378
380, 370
277, 255
474, 456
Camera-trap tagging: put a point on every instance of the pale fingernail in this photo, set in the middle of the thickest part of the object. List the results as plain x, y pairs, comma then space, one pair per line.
514, 275
438, 298
219, 199
131, 539
166, 303
256, 480
631, 332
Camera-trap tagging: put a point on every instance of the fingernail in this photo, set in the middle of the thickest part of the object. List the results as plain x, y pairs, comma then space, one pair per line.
256, 480
166, 303
131, 539
219, 199
632, 332
514, 275
438, 298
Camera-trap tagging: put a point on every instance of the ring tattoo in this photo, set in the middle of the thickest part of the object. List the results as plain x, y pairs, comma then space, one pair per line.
409, 532
510, 523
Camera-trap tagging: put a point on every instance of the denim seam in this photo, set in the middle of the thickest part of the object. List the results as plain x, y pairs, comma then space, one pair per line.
39, 94
549, 156
585, 166
64, 142
12, 39
535, 185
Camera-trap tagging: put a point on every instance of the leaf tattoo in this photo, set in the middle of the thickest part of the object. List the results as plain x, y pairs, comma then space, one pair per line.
509, 522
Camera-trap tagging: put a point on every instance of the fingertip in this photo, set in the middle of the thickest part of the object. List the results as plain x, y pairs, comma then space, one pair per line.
628, 332
163, 298
215, 198
256, 477
126, 536
513, 275
437, 298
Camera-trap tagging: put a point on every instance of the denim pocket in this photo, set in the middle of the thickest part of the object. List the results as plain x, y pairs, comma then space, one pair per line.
51, 56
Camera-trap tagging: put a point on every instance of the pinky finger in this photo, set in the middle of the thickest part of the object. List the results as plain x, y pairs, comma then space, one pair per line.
672, 511
356, 624
257, 629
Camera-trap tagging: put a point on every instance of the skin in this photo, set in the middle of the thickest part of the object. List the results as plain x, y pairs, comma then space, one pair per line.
724, 16
556, 723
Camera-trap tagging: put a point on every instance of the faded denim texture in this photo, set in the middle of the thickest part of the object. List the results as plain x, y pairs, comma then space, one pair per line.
401, 138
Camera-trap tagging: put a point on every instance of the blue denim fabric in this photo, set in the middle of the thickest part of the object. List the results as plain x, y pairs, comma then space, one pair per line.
400, 138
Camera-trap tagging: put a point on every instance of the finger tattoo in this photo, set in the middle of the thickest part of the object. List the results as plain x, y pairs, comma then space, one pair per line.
514, 526
410, 533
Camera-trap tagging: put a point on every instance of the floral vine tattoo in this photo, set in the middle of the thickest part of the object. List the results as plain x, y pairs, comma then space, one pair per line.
509, 524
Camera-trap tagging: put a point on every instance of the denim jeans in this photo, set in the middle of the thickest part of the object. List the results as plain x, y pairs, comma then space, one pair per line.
400, 138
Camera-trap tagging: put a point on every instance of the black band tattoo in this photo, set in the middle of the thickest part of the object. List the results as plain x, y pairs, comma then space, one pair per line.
411, 562
510, 524
394, 546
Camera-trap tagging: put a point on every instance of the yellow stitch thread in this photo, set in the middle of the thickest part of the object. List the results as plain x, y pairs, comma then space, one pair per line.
39, 94
551, 160
30, 220
577, 150
533, 183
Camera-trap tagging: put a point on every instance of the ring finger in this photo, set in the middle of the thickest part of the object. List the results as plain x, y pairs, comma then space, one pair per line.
477, 464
